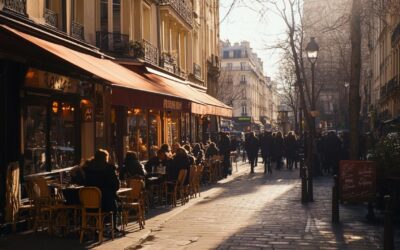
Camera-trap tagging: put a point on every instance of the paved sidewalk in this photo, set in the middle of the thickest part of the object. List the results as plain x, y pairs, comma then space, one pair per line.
244, 211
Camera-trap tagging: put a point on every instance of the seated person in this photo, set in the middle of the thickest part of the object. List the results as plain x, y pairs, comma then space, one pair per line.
132, 167
153, 161
175, 147
180, 161
198, 153
100, 173
212, 151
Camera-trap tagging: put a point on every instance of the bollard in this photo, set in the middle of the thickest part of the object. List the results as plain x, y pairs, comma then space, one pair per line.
335, 200
388, 243
304, 196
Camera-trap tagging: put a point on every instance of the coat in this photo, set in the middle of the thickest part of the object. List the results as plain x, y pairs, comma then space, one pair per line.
252, 145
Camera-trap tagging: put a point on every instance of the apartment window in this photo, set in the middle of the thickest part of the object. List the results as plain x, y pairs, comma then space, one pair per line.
229, 79
244, 109
104, 15
146, 22
229, 66
226, 54
237, 53
243, 93
116, 16
243, 65
243, 79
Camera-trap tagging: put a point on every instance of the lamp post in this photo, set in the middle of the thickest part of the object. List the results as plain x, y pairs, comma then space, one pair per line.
312, 50
346, 103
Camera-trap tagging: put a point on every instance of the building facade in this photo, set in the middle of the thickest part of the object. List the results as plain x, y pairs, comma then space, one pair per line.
79, 75
242, 85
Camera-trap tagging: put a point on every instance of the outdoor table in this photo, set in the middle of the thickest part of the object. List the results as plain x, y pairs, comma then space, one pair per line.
123, 190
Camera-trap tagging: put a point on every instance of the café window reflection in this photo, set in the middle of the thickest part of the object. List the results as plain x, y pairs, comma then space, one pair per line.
172, 127
154, 128
62, 135
137, 132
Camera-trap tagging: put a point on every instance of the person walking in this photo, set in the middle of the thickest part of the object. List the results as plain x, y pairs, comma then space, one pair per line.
266, 145
252, 146
278, 151
224, 146
290, 149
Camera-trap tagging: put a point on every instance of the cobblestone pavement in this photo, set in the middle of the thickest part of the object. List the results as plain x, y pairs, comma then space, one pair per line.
264, 212
244, 211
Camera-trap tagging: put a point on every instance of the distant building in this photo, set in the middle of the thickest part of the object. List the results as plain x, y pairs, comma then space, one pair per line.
243, 86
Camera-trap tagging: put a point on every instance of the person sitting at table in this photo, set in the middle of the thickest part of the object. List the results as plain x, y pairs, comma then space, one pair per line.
132, 167
100, 173
153, 161
180, 161
164, 154
198, 153
212, 151
175, 147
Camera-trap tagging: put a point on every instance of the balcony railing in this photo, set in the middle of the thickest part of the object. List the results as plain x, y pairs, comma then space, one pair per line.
114, 42
144, 50
169, 63
18, 6
182, 7
51, 18
197, 71
77, 31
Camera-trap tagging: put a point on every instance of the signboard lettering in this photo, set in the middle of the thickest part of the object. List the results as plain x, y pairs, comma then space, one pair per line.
357, 181
47, 80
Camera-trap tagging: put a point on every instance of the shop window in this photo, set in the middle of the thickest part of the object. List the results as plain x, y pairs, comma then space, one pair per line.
62, 135
154, 128
35, 129
172, 128
137, 132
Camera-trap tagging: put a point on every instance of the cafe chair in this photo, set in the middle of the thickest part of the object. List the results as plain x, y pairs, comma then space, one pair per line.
175, 189
134, 200
15, 210
197, 180
43, 203
190, 189
92, 215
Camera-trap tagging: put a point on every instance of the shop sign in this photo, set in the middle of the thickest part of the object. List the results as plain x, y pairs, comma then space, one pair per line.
171, 104
87, 113
47, 80
244, 119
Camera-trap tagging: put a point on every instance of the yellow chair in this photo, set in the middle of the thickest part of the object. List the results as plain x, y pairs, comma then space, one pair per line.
134, 200
92, 215
175, 189
43, 203
197, 179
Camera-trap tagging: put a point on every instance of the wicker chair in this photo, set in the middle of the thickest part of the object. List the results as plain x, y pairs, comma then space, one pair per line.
134, 200
175, 189
92, 215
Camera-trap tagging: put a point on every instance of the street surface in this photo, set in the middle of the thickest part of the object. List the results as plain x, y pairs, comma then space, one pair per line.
244, 211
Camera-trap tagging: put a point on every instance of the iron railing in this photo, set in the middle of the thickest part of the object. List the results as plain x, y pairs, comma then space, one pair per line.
18, 6
169, 63
197, 71
51, 17
77, 31
150, 52
183, 8
114, 42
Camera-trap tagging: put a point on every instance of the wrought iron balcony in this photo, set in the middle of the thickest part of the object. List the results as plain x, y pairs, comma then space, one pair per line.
197, 71
114, 42
144, 50
51, 18
169, 63
182, 7
18, 6
77, 31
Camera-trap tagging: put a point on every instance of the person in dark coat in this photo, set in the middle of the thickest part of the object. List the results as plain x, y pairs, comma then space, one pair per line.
224, 146
266, 151
290, 149
198, 153
252, 146
333, 149
180, 161
153, 161
99, 173
212, 150
132, 167
278, 151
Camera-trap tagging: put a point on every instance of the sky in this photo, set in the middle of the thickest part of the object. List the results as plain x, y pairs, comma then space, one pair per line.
262, 31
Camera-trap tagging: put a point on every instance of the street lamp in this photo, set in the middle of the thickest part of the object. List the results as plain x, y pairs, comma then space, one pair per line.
312, 50
346, 103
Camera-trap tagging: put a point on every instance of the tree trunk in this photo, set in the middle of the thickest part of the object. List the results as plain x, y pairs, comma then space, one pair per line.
354, 95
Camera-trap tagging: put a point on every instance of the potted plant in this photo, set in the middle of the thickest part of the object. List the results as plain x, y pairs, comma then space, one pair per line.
136, 49
387, 155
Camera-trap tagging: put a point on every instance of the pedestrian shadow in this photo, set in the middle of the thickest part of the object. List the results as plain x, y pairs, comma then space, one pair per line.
287, 223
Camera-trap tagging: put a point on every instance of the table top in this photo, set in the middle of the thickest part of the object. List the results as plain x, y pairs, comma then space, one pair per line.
123, 190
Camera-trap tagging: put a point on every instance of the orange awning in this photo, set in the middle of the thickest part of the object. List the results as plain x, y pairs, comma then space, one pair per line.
102, 68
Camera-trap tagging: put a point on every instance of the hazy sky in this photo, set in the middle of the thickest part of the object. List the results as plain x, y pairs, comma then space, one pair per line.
245, 23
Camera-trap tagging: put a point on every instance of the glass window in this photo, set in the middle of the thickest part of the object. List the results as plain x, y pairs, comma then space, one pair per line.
35, 138
116, 16
155, 128
172, 127
62, 135
104, 15
137, 132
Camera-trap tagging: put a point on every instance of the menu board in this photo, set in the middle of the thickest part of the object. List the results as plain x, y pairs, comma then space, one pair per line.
357, 181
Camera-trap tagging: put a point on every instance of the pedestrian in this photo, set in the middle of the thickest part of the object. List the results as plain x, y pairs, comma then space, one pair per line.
278, 150
290, 149
224, 146
333, 151
252, 146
